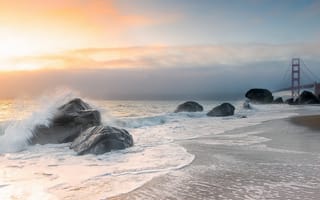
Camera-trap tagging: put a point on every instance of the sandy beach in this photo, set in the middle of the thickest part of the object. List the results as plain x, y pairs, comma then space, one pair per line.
285, 165
312, 122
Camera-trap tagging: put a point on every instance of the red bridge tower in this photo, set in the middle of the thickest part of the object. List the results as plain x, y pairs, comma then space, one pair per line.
295, 77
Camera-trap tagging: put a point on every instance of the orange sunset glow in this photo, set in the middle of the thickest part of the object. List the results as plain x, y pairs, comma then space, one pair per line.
37, 27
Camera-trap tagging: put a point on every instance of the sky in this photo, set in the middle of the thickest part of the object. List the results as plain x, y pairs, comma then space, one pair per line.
155, 49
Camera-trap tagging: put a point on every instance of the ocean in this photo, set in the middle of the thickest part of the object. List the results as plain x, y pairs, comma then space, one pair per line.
54, 171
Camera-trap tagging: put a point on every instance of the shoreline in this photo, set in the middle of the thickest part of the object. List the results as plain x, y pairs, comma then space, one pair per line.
309, 121
285, 166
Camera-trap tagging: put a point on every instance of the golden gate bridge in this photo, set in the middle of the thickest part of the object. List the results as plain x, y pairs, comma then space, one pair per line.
296, 83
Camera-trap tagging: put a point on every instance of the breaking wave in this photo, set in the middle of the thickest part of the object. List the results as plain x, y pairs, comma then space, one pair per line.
16, 133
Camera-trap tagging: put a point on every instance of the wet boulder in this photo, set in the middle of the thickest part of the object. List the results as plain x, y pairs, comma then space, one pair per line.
67, 123
101, 139
307, 97
225, 109
74, 105
258, 95
289, 101
189, 106
278, 100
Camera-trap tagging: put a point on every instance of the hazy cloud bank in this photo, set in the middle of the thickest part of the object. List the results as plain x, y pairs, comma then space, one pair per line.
165, 83
188, 72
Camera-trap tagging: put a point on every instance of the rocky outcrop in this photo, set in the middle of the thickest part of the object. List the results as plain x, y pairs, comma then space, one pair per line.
101, 139
307, 97
278, 100
78, 123
189, 106
225, 109
68, 122
258, 95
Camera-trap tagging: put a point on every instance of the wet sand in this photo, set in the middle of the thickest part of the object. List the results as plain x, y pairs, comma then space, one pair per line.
274, 160
312, 122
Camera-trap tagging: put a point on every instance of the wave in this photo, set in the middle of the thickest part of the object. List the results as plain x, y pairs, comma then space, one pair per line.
17, 133
139, 122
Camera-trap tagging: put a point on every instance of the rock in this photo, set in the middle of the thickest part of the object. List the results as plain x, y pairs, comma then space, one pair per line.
189, 106
78, 123
278, 100
290, 101
101, 139
74, 105
225, 109
307, 97
259, 95
68, 122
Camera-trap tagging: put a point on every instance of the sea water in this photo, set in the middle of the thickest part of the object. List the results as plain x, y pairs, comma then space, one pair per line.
53, 171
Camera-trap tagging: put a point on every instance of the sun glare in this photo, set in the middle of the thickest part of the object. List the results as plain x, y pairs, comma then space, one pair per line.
45, 27
13, 43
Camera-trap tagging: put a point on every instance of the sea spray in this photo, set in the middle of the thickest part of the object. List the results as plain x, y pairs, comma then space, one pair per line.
18, 132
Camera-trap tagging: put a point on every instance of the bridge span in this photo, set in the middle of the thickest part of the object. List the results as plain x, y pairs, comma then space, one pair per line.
296, 85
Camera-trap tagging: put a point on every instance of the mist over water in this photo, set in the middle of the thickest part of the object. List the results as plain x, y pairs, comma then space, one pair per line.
216, 82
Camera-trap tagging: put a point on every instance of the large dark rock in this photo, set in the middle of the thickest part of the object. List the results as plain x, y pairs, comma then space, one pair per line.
225, 109
258, 95
101, 139
68, 122
307, 97
189, 106
78, 123
278, 100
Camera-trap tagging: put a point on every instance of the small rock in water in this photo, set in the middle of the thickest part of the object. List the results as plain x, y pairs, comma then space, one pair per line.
101, 139
225, 109
189, 106
289, 101
278, 100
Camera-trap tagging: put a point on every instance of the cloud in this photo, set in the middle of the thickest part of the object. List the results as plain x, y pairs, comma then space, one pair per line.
72, 12
33, 26
219, 81
171, 56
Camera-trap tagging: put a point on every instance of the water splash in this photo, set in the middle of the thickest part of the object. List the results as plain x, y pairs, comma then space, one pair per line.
19, 131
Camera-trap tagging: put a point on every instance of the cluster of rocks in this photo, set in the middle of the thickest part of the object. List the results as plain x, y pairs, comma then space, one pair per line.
225, 109
305, 97
77, 122
255, 95
264, 96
